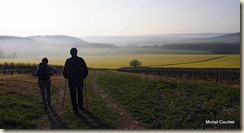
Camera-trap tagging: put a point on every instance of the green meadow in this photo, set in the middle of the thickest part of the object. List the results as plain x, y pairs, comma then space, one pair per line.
119, 101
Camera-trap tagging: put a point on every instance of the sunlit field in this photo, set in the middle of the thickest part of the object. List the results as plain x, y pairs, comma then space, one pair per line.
160, 61
150, 60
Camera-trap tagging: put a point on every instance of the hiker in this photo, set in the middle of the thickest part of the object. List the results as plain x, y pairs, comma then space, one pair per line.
75, 70
43, 71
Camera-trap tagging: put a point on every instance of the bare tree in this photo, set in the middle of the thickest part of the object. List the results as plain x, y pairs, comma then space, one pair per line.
2, 54
14, 55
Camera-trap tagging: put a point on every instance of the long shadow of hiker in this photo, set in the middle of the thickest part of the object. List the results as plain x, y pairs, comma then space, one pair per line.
96, 124
55, 120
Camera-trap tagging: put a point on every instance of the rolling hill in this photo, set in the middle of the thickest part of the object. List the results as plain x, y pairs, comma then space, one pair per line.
55, 45
43, 45
162, 39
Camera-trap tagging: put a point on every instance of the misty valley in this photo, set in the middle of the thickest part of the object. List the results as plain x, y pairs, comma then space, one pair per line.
59, 45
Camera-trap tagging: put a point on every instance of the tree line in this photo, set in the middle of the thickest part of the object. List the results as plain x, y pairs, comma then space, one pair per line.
10, 56
215, 48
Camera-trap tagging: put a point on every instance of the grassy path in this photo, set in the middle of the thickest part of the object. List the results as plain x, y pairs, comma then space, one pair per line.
123, 118
163, 104
21, 106
53, 118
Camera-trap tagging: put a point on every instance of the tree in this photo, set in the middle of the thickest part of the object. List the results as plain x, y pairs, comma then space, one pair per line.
2, 54
14, 55
135, 63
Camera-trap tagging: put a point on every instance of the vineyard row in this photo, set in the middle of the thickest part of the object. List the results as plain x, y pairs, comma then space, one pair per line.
21, 68
230, 76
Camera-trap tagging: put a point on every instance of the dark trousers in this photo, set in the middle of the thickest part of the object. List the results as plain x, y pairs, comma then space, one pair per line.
45, 91
75, 87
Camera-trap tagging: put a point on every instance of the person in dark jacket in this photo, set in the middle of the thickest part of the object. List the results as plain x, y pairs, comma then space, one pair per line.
75, 70
43, 72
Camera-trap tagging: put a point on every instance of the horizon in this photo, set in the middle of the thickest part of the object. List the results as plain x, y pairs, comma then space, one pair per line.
120, 35
118, 17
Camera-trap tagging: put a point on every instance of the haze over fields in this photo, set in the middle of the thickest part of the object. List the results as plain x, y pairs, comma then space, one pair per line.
34, 29
59, 45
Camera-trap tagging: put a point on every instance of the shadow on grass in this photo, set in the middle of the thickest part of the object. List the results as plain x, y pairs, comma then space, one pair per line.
94, 122
55, 120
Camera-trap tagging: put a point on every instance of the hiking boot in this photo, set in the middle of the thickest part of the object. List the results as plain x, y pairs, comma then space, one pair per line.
76, 112
81, 107
45, 107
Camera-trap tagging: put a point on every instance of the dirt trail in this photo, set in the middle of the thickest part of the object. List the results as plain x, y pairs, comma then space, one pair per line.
124, 119
52, 118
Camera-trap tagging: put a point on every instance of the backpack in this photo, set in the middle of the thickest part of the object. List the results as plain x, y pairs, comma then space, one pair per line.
43, 72
77, 70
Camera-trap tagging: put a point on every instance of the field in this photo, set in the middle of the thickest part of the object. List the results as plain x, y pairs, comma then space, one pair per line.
120, 101
149, 60
167, 60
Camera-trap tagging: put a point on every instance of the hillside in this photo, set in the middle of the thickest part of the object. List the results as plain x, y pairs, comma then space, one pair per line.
55, 45
60, 40
68, 41
216, 48
23, 46
229, 35
222, 44
226, 38
162, 39
34, 46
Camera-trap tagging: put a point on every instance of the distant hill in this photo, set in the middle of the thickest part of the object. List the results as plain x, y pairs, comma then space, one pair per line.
59, 45
229, 35
223, 44
20, 45
60, 40
158, 39
44, 45
216, 48
226, 38
220, 44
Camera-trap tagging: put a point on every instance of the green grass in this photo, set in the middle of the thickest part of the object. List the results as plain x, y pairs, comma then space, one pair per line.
173, 105
19, 106
18, 112
158, 104
96, 117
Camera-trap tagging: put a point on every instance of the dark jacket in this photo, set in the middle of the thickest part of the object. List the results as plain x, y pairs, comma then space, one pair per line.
50, 70
75, 68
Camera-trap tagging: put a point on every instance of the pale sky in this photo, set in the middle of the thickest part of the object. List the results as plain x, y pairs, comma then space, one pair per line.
117, 17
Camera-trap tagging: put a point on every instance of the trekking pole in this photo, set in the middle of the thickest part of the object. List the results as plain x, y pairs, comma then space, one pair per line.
86, 95
54, 88
64, 95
